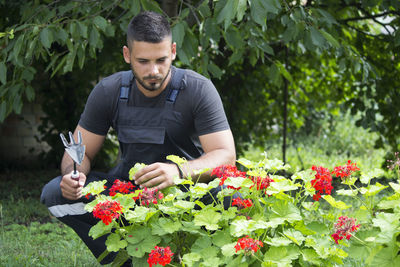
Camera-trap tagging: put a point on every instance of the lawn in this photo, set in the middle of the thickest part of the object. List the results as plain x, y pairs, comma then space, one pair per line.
29, 235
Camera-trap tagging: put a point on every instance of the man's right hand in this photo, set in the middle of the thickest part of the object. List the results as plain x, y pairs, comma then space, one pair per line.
70, 188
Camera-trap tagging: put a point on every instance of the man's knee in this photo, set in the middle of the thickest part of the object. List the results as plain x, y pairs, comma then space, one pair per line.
51, 192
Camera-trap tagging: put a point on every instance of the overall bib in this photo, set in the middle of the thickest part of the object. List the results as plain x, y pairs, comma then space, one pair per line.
148, 135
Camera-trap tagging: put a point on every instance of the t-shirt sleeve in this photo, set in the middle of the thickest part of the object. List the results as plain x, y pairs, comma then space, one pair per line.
97, 115
209, 114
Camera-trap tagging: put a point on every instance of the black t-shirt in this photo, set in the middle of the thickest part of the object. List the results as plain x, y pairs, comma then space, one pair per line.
199, 103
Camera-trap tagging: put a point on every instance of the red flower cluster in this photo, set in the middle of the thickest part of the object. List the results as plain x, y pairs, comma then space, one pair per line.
107, 211
322, 182
346, 170
148, 196
120, 186
242, 203
344, 227
249, 245
225, 171
261, 183
160, 255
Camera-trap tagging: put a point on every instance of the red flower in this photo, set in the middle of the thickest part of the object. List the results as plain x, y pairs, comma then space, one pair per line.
148, 196
160, 255
107, 211
344, 227
261, 183
322, 182
225, 171
248, 245
120, 186
346, 170
242, 203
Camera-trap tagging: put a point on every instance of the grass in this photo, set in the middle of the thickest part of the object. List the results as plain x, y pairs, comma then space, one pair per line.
29, 235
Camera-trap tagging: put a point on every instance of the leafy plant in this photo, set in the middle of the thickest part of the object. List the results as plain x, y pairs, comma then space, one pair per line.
276, 221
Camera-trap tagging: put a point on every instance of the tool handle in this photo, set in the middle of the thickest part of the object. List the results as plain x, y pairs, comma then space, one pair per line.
75, 175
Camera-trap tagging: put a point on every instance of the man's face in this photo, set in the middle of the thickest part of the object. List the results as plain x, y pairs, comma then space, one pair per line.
151, 64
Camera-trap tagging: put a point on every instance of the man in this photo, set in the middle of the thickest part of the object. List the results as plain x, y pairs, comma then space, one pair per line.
155, 114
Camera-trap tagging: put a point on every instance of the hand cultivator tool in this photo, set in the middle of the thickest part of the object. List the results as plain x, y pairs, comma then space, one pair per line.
75, 150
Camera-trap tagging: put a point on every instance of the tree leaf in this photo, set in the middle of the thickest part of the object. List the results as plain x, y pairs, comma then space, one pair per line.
46, 37
215, 70
100, 22
241, 9
227, 13
330, 38
3, 73
316, 37
257, 12
178, 33
272, 6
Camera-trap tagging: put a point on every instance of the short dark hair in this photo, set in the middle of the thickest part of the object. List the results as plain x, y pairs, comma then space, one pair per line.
148, 26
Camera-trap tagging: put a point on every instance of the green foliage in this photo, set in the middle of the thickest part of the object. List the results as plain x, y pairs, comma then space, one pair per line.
294, 230
325, 52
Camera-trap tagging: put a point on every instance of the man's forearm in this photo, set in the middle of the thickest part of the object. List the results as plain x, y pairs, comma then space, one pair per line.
67, 165
210, 160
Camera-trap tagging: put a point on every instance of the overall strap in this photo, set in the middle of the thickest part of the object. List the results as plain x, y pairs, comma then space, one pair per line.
177, 83
125, 84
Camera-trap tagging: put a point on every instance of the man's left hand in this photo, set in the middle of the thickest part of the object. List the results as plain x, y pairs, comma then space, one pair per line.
157, 175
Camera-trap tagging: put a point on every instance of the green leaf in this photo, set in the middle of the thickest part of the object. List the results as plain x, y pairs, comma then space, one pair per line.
366, 177
46, 37
295, 236
372, 190
3, 72
396, 187
94, 188
284, 211
170, 226
190, 258
94, 37
233, 38
178, 33
176, 159
283, 71
257, 12
386, 257
139, 214
185, 205
336, 204
278, 241
316, 37
141, 241
228, 250
30, 93
114, 242
272, 6
100, 229
281, 254
135, 169
208, 218
83, 29
386, 221
100, 22
344, 192
330, 38
309, 255
227, 13
241, 9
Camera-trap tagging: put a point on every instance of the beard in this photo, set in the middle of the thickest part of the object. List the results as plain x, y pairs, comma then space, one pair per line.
154, 86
